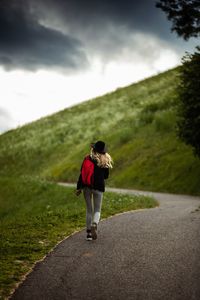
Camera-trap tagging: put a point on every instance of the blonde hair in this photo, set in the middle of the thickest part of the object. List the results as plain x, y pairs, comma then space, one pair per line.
103, 160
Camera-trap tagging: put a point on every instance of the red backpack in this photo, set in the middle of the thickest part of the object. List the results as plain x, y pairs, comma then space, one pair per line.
87, 171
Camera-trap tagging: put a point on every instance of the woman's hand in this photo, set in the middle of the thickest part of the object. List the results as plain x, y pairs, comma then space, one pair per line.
78, 192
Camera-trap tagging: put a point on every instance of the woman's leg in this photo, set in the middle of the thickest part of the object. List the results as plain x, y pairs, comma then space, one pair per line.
97, 198
88, 200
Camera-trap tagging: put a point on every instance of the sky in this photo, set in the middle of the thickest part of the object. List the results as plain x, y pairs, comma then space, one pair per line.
57, 53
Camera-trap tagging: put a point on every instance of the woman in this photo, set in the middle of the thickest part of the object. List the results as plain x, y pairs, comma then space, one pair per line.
94, 171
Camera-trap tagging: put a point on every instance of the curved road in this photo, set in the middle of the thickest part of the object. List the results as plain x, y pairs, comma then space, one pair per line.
142, 255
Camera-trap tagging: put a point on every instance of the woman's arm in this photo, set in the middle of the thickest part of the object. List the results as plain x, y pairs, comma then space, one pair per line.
106, 173
79, 183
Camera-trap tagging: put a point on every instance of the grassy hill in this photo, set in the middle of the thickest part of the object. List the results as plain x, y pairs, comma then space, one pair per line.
137, 122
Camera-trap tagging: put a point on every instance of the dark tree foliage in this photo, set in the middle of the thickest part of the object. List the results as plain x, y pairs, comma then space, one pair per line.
189, 101
184, 14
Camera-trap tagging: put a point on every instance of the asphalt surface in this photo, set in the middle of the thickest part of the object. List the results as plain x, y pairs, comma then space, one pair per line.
148, 255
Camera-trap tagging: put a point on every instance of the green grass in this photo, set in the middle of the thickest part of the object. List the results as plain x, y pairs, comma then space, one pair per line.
35, 215
138, 123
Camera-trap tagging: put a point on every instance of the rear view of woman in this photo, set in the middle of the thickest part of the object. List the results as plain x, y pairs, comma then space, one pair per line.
94, 171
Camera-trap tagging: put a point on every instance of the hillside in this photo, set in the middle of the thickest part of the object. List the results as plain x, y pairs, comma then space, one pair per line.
138, 124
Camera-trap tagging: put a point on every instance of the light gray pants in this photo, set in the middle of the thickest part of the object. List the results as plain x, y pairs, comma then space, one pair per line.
93, 199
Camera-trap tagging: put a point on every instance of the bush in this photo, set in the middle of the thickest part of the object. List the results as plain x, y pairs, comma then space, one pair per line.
189, 101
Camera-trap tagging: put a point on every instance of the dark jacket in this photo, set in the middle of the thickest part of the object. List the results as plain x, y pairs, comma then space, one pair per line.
100, 174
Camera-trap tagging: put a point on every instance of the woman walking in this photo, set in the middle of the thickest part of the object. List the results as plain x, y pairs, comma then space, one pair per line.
94, 171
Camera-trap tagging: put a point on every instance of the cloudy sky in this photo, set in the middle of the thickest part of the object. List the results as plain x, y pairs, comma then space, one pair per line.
56, 53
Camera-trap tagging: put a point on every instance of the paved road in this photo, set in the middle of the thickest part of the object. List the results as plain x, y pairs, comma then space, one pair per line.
143, 255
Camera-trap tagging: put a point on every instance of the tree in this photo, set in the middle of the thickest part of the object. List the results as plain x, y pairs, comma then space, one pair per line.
185, 17
189, 101
184, 14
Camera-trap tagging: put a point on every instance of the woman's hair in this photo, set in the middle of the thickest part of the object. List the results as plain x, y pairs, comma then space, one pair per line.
103, 160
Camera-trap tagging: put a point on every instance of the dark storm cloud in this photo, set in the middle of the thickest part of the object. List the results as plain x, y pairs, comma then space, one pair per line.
108, 28
136, 15
27, 44
64, 33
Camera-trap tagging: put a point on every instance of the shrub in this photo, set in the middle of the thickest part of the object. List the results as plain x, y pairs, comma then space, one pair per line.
189, 101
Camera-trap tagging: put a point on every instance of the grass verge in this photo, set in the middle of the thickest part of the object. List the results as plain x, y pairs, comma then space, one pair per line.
35, 215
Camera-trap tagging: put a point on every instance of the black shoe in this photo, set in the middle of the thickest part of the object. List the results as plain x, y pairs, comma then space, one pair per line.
89, 235
94, 231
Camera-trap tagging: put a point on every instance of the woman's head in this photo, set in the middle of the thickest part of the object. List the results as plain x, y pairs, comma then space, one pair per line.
99, 153
99, 147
